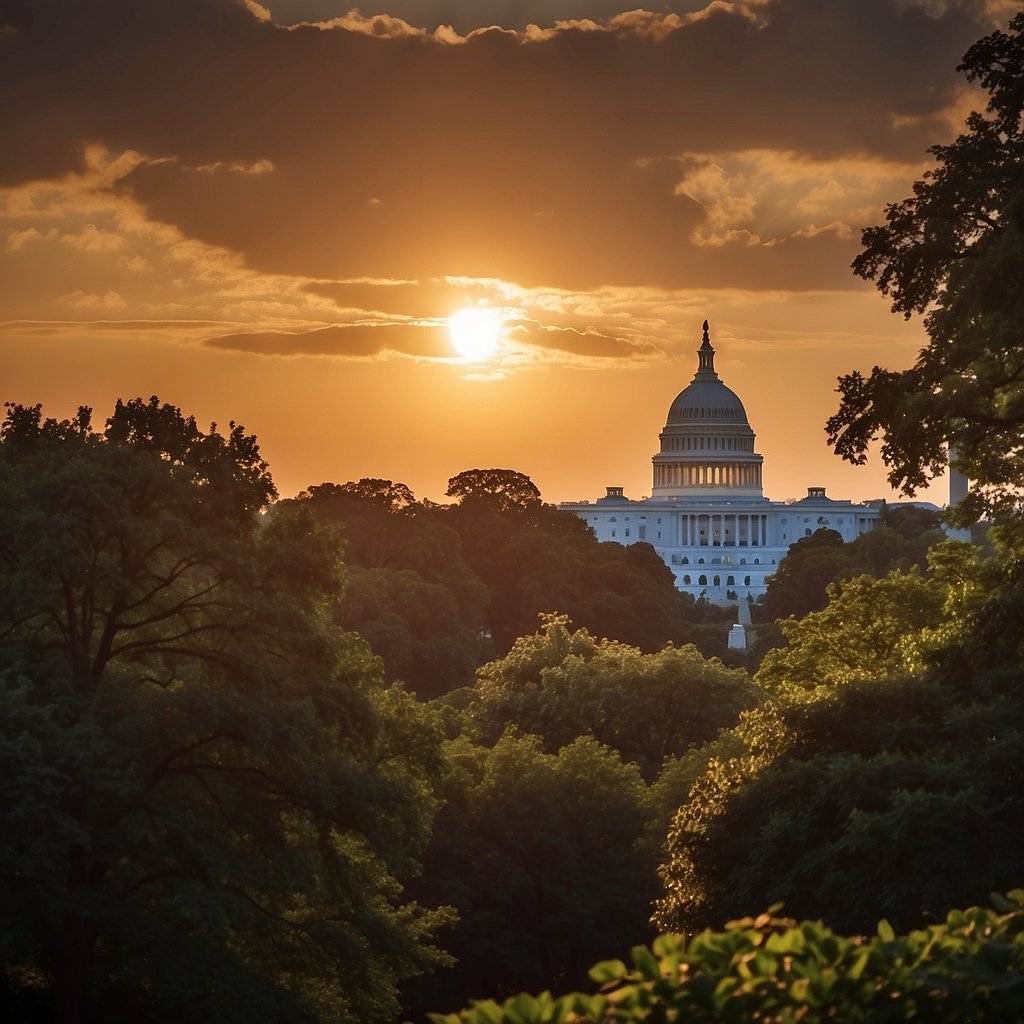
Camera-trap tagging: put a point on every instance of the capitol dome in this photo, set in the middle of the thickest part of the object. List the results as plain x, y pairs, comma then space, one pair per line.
707, 400
707, 446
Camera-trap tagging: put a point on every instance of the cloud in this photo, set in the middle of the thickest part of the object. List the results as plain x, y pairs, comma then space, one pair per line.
601, 149
94, 239
85, 300
588, 341
19, 239
363, 341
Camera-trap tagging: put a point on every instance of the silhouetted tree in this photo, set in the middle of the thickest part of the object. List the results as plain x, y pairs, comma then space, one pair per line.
955, 248
499, 489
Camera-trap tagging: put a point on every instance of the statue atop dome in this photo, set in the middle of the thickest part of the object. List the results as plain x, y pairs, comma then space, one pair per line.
706, 358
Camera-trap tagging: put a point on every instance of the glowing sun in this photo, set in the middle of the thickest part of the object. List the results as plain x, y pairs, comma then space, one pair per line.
475, 332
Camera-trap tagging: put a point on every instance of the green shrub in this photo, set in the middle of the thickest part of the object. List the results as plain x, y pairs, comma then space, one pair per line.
970, 968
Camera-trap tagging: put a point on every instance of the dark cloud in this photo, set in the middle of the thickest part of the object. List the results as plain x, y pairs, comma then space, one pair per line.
589, 341
553, 160
359, 340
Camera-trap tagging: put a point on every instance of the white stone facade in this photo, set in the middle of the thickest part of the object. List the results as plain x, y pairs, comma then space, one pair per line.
707, 516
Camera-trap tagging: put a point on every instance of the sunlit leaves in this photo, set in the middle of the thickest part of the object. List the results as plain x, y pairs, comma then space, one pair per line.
968, 968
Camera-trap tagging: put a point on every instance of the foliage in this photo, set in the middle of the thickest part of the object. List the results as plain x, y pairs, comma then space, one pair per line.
955, 248
410, 592
550, 561
874, 629
536, 851
416, 626
501, 559
800, 584
207, 801
559, 684
896, 798
970, 968
503, 490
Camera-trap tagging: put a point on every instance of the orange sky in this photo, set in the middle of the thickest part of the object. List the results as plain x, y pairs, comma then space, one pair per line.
266, 214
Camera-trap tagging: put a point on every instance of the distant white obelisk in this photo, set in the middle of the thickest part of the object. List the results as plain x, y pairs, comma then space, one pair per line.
738, 634
958, 487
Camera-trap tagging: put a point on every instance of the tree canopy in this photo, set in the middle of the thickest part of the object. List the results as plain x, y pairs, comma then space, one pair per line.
537, 852
446, 588
881, 779
499, 489
560, 684
207, 799
956, 249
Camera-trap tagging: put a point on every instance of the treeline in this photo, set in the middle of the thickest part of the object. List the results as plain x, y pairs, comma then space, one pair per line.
214, 803
438, 590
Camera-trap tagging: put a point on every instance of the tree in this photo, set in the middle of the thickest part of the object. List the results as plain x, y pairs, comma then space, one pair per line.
410, 591
800, 583
417, 628
207, 800
881, 779
878, 628
536, 850
956, 249
500, 489
862, 633
559, 684
892, 798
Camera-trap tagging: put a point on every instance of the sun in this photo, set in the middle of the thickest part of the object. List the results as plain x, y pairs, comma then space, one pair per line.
475, 331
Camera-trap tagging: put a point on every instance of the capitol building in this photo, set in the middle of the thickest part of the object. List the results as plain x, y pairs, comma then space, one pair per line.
707, 515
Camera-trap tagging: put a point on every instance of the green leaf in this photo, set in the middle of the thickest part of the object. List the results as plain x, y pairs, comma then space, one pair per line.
607, 971
646, 963
1002, 904
885, 931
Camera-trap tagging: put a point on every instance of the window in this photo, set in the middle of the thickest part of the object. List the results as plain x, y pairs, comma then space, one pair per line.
613, 533
686, 580
757, 561
730, 581
700, 561
702, 581
718, 581
627, 531
659, 535
746, 581
686, 561
643, 532
807, 532
743, 561
613, 519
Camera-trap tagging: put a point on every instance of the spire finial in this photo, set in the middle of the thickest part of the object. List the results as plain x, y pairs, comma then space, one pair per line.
706, 355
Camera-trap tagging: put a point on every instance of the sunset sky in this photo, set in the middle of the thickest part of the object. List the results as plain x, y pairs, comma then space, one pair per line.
267, 212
